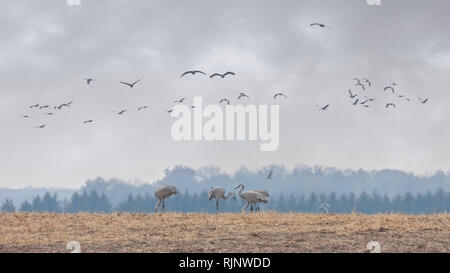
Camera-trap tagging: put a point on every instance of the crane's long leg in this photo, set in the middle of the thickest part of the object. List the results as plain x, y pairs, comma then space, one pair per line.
163, 210
244, 207
257, 206
157, 206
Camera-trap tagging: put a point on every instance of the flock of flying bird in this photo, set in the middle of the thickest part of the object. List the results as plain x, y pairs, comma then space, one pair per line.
131, 85
357, 99
364, 101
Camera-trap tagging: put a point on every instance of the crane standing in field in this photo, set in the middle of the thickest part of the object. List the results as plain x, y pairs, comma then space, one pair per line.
251, 197
162, 193
219, 193
264, 193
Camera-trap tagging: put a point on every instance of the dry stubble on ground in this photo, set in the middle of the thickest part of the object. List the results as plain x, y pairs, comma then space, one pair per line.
261, 232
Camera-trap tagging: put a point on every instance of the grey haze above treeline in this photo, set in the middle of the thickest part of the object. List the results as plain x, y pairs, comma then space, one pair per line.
302, 180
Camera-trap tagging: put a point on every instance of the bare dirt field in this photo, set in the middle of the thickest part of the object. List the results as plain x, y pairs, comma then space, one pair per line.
261, 232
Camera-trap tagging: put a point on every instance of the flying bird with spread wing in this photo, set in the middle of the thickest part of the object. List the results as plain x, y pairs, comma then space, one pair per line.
142, 107
279, 95
180, 100
243, 95
224, 100
193, 72
323, 108
41, 126
351, 95
120, 112
222, 75
389, 88
88, 80
319, 25
423, 101
88, 121
131, 85
390, 105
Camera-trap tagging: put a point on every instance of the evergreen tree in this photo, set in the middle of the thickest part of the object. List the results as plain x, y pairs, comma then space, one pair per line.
8, 206
26, 207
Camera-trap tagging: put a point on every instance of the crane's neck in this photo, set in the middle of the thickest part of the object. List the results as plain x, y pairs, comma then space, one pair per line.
240, 191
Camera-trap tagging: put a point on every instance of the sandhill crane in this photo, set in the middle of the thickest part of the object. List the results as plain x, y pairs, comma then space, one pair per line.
423, 101
219, 193
142, 107
34, 106
319, 25
243, 95
225, 100
264, 193
351, 95
390, 105
180, 100
88, 121
390, 88
89, 80
131, 85
278, 95
162, 193
193, 72
250, 196
324, 107
364, 102
222, 75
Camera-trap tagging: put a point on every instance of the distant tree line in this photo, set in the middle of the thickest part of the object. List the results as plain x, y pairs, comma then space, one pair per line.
437, 202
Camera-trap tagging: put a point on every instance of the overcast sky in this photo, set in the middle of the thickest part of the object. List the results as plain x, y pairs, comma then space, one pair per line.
49, 47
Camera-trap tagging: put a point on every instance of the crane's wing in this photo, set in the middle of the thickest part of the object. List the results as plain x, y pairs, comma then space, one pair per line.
229, 73
187, 72
136, 82
129, 84
198, 71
